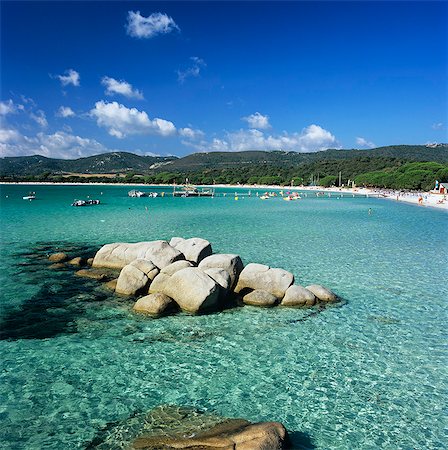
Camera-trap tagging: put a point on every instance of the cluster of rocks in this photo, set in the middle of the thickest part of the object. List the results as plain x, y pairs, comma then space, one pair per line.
185, 274
58, 260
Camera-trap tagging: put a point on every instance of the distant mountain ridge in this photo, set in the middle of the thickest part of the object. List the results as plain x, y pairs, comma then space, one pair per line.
123, 162
114, 162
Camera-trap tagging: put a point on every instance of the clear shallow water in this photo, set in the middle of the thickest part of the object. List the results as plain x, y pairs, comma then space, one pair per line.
369, 374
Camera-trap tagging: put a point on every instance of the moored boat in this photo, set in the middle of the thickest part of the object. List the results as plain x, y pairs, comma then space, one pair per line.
85, 202
192, 191
135, 193
30, 196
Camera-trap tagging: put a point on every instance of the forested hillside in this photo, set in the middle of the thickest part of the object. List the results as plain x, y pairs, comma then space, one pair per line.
397, 167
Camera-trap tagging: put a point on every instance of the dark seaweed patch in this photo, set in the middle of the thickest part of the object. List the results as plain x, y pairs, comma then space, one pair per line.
300, 441
45, 315
60, 300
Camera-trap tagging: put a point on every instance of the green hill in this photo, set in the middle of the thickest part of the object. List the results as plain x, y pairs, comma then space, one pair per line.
223, 160
401, 166
116, 162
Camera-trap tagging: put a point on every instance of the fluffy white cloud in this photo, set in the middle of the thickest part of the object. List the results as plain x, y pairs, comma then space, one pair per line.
58, 145
39, 117
193, 70
65, 111
71, 77
121, 87
437, 126
364, 142
311, 139
190, 133
8, 135
258, 121
7, 107
121, 121
147, 27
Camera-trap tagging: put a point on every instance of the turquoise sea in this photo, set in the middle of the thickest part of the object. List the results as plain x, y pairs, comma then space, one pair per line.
369, 374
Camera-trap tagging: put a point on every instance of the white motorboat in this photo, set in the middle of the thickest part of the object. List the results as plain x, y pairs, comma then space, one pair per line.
135, 193
85, 202
189, 190
30, 196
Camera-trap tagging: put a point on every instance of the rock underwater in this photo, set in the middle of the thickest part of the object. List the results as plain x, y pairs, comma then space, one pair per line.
173, 427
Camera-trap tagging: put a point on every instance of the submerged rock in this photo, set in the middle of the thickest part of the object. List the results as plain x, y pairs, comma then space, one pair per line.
95, 274
112, 284
322, 293
172, 427
298, 296
57, 266
193, 290
118, 255
232, 434
154, 304
232, 264
258, 276
58, 257
78, 261
259, 297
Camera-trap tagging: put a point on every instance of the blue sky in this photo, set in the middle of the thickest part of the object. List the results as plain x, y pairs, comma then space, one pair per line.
81, 78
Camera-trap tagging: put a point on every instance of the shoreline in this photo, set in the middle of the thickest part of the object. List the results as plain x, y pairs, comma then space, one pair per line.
429, 199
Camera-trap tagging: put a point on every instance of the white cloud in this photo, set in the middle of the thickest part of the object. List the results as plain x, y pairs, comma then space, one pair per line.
71, 77
193, 70
39, 117
121, 121
311, 139
139, 26
121, 87
65, 111
437, 126
258, 121
8, 135
190, 133
7, 107
364, 142
58, 145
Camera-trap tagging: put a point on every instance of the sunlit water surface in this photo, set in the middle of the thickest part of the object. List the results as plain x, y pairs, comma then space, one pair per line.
367, 375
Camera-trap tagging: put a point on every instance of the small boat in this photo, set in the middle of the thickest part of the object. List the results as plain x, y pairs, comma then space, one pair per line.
292, 197
135, 193
85, 202
189, 190
30, 196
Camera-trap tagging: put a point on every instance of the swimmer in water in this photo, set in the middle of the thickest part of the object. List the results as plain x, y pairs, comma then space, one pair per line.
370, 211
